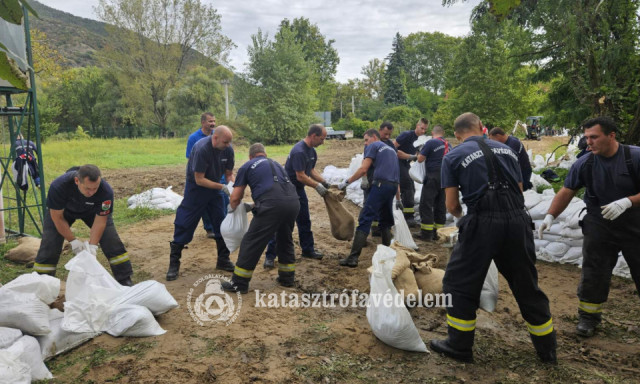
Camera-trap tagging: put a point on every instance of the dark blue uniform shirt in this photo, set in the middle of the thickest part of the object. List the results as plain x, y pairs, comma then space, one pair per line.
64, 194
434, 150
611, 179
523, 156
385, 161
212, 162
372, 168
465, 167
405, 142
193, 139
257, 174
301, 158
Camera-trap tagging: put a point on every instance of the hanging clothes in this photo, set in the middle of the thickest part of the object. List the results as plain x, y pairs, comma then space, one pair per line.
25, 164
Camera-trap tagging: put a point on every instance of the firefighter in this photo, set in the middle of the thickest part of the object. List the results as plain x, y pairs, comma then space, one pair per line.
496, 227
498, 134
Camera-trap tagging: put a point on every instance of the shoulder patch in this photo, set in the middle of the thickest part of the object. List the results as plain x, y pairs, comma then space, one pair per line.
106, 205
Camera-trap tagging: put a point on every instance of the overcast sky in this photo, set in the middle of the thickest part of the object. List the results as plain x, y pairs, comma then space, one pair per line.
362, 29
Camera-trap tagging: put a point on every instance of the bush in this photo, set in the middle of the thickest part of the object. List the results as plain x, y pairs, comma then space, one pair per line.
402, 114
350, 123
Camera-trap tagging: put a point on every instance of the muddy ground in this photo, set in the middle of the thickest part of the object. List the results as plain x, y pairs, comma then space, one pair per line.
335, 345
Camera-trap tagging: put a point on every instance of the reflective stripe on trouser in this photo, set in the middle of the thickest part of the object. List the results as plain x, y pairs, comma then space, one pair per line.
432, 200
374, 223
460, 324
426, 227
541, 330
286, 267
603, 240
407, 189
246, 273
438, 226
45, 269
379, 204
508, 240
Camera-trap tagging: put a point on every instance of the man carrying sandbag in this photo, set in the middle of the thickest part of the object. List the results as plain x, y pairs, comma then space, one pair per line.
496, 227
610, 172
275, 212
380, 201
210, 158
433, 213
81, 193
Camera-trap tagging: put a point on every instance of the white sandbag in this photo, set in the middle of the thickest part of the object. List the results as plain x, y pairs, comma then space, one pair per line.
540, 243
388, 317
572, 256
133, 321
167, 205
59, 340
8, 336
540, 210
549, 192
24, 311
542, 254
622, 268
234, 226
570, 210
538, 162
556, 229
12, 369
531, 198
574, 220
538, 181
575, 233
417, 172
356, 162
28, 350
490, 289
556, 249
571, 241
334, 175
401, 232
550, 237
150, 294
421, 140
45, 287
158, 193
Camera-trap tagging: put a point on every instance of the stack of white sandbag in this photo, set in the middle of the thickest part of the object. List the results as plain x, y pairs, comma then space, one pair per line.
335, 175
156, 198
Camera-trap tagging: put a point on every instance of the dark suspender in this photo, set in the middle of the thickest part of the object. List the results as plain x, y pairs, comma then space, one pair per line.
588, 174
629, 162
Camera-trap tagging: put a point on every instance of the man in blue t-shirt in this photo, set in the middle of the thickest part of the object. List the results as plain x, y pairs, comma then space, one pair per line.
406, 154
496, 227
275, 211
81, 193
498, 134
433, 213
210, 158
611, 175
301, 169
384, 185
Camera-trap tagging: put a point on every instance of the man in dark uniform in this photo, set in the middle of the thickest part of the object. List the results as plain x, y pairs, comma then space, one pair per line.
386, 129
384, 186
210, 158
498, 134
82, 194
611, 175
433, 213
496, 227
275, 212
301, 169
407, 154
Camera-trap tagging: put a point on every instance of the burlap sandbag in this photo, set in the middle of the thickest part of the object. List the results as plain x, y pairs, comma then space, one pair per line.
401, 263
413, 256
406, 282
429, 279
342, 223
26, 250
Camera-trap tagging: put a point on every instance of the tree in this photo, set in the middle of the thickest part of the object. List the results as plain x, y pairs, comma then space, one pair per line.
349, 94
395, 90
151, 43
428, 57
275, 92
373, 81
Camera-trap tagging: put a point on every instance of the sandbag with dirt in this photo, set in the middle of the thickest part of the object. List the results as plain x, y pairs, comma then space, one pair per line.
403, 278
342, 222
26, 250
429, 279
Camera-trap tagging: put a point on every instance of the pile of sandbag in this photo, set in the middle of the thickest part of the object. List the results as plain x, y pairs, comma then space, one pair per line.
155, 198
414, 274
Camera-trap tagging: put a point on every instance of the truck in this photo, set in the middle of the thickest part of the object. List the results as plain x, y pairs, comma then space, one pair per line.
342, 135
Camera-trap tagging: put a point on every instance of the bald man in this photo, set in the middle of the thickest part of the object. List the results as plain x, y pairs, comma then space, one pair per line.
210, 158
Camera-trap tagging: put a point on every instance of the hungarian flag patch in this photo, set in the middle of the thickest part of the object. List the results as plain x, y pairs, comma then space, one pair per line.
106, 205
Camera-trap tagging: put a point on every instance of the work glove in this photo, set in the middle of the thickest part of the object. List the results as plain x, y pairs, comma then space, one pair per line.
546, 224
611, 211
229, 209
226, 190
342, 186
249, 206
77, 246
93, 249
412, 158
322, 191
399, 205
325, 184
364, 182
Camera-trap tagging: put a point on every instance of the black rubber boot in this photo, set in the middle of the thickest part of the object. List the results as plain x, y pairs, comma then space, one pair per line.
546, 347
237, 284
286, 279
587, 323
411, 221
313, 254
423, 235
127, 281
435, 236
385, 234
174, 260
359, 241
224, 263
445, 347
375, 231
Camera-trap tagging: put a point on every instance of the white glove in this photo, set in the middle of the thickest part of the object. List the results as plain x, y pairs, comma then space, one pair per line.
92, 248
77, 246
546, 224
229, 209
611, 211
321, 189
226, 190
342, 186
364, 182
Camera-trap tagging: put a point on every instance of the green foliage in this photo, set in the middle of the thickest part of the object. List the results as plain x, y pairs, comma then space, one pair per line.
373, 82
428, 57
402, 113
371, 109
347, 95
395, 88
425, 101
350, 123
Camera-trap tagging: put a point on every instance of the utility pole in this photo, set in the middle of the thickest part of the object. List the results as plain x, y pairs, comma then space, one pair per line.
353, 105
226, 83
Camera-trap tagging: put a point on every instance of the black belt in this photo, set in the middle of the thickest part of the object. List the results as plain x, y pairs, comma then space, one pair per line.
384, 182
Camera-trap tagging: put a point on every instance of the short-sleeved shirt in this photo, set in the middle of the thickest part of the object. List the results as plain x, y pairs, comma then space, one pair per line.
301, 158
433, 151
257, 174
193, 139
64, 194
611, 178
372, 168
211, 161
465, 167
385, 161
523, 156
405, 142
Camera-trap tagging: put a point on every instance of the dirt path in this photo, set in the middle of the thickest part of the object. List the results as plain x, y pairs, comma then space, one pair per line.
335, 345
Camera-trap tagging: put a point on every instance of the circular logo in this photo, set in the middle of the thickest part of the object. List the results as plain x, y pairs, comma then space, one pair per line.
209, 302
